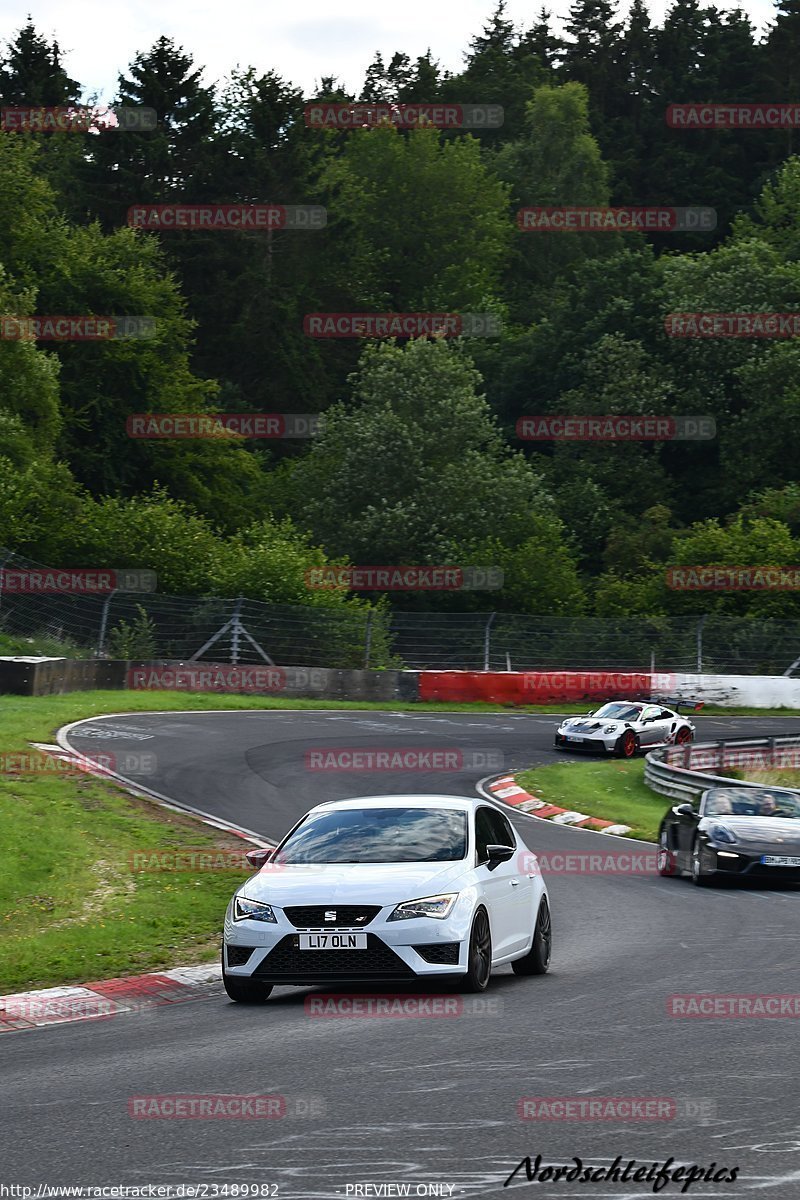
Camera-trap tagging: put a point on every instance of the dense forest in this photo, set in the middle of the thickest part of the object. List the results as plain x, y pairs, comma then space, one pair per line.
418, 459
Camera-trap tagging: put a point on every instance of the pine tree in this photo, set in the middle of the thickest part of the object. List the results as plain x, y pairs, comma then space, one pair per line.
783, 57
31, 72
589, 58
173, 161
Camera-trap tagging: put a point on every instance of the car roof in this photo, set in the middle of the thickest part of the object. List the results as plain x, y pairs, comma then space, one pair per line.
459, 803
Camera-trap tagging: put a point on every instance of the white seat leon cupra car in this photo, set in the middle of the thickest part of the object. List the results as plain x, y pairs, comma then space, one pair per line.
388, 889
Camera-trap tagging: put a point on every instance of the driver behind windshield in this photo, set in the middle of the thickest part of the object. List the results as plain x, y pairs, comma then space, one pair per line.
720, 806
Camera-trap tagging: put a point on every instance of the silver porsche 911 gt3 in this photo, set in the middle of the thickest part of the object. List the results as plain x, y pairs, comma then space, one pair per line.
623, 727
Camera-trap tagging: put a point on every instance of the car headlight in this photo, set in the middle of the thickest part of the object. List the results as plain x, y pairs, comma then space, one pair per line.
429, 906
609, 729
252, 910
720, 834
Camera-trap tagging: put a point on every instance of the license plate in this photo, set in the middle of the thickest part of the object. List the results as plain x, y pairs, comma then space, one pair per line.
571, 738
332, 941
780, 860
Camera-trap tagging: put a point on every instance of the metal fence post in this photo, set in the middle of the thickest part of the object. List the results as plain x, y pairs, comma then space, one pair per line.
486, 640
700, 623
368, 639
235, 630
101, 640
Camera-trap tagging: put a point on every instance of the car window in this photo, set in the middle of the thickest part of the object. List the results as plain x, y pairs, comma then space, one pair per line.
502, 833
378, 835
620, 711
650, 712
665, 714
483, 833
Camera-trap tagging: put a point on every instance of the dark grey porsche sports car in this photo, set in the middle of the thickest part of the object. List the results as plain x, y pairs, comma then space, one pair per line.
733, 832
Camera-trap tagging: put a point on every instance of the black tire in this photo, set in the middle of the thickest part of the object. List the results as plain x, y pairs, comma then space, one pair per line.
537, 960
480, 954
244, 990
667, 863
627, 744
698, 878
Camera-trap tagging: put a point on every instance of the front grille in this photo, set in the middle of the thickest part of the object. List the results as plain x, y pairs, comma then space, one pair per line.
288, 962
238, 955
444, 953
312, 916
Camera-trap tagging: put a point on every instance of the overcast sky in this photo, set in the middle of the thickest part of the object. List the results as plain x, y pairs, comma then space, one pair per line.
300, 41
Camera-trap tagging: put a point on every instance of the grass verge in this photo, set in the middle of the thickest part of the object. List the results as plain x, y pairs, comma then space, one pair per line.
613, 790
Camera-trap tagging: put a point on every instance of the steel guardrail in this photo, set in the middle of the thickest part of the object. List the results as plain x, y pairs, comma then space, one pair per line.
683, 772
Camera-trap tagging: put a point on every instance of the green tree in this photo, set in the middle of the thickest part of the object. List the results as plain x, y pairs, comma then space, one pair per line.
556, 161
416, 223
413, 469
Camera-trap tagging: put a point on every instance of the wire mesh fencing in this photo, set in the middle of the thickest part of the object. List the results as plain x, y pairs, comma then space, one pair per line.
238, 630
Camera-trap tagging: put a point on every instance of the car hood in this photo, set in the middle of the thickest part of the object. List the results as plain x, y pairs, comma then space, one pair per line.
352, 883
591, 725
759, 831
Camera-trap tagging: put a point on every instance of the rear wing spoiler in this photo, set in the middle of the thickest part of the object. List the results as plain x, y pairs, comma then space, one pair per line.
677, 704
672, 702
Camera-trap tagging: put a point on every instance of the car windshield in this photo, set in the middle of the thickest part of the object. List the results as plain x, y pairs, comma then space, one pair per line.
620, 711
752, 802
378, 835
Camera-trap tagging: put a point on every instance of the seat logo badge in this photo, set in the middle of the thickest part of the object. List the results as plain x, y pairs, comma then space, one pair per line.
330, 915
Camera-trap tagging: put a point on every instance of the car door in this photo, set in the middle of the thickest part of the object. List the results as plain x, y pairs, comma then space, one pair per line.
653, 727
686, 827
505, 889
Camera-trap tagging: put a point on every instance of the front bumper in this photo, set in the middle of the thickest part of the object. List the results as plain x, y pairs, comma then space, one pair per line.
595, 743
747, 865
396, 950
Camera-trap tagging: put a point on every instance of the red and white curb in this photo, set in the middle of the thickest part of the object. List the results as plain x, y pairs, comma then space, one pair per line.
508, 790
106, 998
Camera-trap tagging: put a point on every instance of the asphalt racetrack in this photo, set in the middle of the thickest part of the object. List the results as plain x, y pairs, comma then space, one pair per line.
419, 1101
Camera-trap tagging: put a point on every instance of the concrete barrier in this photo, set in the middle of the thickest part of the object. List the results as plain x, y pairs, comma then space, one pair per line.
738, 691
538, 687
31, 676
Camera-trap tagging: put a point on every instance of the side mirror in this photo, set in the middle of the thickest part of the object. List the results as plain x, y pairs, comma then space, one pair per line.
590, 713
685, 810
498, 854
259, 856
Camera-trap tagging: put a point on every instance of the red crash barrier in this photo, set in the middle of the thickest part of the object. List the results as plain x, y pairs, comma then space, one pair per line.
539, 687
